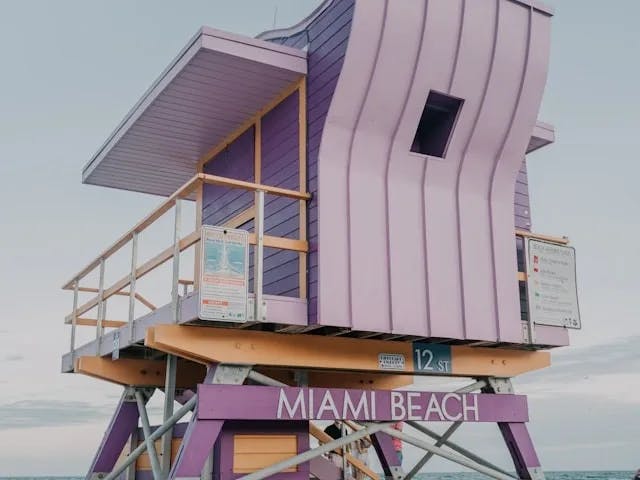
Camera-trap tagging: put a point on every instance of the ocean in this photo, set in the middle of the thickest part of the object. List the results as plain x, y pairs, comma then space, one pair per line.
590, 475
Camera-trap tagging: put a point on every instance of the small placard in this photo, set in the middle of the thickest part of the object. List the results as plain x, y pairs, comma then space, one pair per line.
391, 361
431, 358
551, 284
115, 353
224, 274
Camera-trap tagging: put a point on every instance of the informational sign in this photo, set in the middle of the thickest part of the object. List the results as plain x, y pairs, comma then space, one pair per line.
391, 361
551, 284
428, 357
232, 402
224, 274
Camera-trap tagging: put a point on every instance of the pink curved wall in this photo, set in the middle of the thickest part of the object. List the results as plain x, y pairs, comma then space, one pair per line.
422, 245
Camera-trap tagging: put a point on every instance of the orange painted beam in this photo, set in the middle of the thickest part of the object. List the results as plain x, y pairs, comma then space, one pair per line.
343, 379
207, 345
139, 372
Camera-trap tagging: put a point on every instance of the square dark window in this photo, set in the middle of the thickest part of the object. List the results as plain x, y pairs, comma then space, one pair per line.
436, 124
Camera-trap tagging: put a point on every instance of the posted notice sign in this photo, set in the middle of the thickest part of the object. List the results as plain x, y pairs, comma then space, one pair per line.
551, 284
224, 274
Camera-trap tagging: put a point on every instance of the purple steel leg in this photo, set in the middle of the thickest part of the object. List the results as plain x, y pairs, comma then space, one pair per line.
517, 438
383, 445
195, 448
123, 423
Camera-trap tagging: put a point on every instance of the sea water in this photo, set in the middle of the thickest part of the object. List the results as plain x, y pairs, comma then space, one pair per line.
591, 475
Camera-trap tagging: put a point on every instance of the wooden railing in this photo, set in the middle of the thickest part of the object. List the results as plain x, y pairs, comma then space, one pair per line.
358, 464
103, 292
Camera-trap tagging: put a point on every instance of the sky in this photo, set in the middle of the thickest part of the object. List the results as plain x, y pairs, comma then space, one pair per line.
72, 69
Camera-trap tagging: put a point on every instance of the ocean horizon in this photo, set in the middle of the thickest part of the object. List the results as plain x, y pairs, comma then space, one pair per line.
557, 475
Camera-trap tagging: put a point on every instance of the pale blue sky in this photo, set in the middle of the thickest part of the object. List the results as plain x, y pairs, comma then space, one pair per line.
72, 69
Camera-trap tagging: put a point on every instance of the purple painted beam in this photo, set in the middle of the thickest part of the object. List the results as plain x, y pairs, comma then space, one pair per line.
521, 448
196, 445
235, 402
122, 425
323, 469
383, 445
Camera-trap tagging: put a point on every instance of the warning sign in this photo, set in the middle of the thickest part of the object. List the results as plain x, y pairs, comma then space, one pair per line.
224, 274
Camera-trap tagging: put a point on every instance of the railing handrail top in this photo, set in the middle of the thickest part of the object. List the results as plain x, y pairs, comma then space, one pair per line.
160, 210
540, 236
157, 212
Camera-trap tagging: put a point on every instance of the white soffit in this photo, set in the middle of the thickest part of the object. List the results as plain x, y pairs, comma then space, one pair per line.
216, 83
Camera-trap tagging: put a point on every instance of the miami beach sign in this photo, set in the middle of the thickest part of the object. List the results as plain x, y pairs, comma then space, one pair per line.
245, 402
224, 274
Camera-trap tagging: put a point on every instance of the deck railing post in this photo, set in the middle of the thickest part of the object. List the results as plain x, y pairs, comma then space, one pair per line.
76, 287
132, 286
175, 292
258, 257
530, 326
101, 307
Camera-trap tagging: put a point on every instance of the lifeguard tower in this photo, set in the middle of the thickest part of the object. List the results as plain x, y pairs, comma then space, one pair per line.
361, 218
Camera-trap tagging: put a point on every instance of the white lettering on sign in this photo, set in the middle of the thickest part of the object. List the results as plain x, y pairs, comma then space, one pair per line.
466, 407
433, 407
328, 404
398, 411
415, 406
447, 415
362, 405
283, 401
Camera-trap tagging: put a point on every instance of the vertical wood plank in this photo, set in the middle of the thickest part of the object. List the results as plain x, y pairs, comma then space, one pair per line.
302, 155
198, 246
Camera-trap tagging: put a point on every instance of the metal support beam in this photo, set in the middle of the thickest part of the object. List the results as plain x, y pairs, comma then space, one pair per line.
457, 448
146, 429
258, 257
187, 407
423, 461
169, 399
265, 380
465, 462
133, 443
316, 452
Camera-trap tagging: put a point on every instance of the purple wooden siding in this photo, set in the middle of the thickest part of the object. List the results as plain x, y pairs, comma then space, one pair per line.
522, 207
220, 204
327, 37
279, 168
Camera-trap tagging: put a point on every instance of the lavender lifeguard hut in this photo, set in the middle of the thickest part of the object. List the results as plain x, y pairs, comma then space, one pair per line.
361, 218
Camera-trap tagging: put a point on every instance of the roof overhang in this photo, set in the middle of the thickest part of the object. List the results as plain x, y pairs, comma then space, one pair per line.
216, 83
543, 135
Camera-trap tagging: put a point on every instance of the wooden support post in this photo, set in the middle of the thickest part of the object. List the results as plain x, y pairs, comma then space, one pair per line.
302, 156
